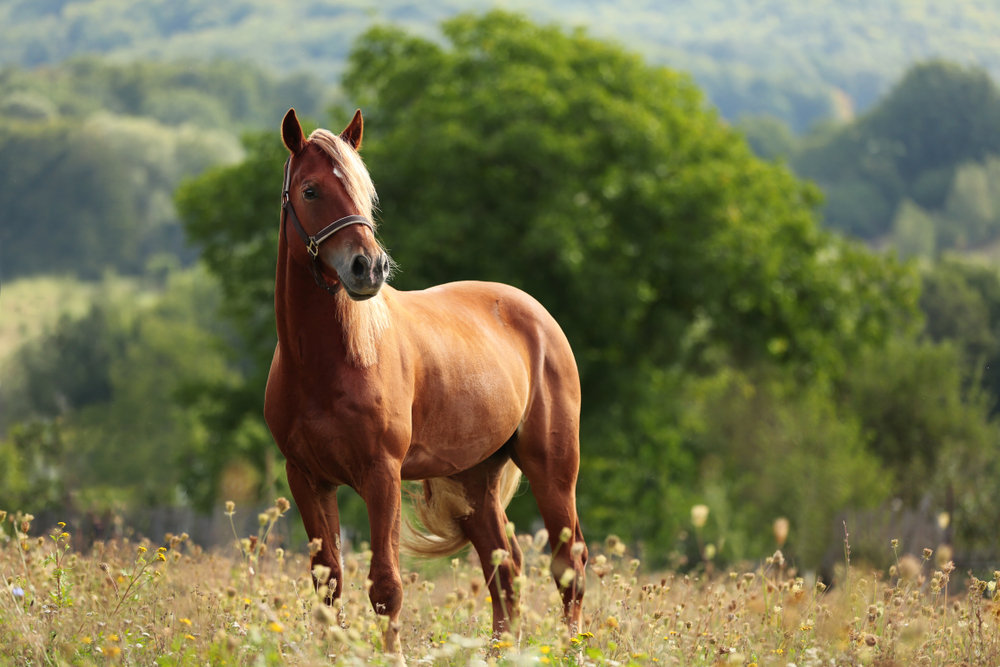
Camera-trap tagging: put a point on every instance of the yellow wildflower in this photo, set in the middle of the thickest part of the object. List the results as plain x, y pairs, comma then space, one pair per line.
186, 621
275, 627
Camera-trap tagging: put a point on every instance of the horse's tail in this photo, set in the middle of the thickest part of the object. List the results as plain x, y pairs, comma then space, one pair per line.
438, 509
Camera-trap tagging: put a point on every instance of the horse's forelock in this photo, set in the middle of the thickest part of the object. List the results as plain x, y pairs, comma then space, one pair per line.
349, 167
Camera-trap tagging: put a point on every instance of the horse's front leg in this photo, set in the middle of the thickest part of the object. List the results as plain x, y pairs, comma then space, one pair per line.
381, 492
318, 506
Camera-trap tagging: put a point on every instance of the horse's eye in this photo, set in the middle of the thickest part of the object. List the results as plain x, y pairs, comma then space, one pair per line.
309, 193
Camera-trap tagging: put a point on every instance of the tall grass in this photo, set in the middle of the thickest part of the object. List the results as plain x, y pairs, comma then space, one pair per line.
171, 603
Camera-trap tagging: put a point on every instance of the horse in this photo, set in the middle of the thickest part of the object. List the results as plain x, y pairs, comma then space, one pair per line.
464, 386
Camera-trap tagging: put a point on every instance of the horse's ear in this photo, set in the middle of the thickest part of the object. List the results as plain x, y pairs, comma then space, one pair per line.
291, 132
352, 133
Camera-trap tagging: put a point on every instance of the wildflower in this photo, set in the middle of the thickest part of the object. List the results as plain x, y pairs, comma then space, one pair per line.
186, 621
871, 639
567, 578
611, 622
565, 534
927, 554
141, 550
323, 615
577, 550
781, 526
282, 504
112, 651
508, 529
545, 650
499, 556
230, 508
87, 640
17, 591
895, 544
160, 558
322, 573
273, 514
315, 546
541, 539
262, 519
699, 515
274, 626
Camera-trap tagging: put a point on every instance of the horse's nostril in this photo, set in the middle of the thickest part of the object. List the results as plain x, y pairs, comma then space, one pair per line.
360, 266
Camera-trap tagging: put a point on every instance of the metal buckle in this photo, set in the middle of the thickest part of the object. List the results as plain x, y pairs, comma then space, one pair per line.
313, 248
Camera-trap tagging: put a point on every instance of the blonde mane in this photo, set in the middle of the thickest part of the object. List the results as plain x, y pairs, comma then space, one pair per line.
351, 170
363, 322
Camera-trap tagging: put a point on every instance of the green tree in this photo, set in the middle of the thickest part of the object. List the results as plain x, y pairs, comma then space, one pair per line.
99, 413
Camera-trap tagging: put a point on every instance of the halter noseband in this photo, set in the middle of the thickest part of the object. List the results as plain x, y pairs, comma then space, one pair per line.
313, 242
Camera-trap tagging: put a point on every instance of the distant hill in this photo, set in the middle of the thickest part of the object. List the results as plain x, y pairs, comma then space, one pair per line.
798, 61
91, 151
919, 171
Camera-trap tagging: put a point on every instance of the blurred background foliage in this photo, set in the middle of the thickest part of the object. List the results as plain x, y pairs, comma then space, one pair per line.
782, 292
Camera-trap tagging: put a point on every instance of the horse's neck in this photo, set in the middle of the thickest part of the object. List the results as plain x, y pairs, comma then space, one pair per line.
308, 330
317, 330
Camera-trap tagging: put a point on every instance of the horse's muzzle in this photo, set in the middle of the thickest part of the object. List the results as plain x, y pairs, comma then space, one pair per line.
364, 276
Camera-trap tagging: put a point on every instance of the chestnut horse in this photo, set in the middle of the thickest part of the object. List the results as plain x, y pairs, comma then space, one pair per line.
463, 385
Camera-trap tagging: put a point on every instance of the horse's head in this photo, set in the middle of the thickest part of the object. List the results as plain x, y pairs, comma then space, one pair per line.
331, 195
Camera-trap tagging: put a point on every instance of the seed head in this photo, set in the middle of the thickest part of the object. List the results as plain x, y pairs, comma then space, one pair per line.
282, 504
322, 573
576, 550
322, 614
499, 556
230, 508
871, 639
781, 526
565, 534
927, 554
541, 539
699, 515
315, 545
509, 530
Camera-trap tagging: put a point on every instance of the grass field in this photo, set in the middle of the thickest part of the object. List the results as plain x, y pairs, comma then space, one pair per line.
140, 603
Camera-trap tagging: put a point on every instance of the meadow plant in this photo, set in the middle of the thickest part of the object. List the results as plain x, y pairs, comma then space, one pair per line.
169, 604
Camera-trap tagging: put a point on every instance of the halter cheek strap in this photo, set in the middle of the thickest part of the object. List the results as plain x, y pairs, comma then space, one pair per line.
313, 242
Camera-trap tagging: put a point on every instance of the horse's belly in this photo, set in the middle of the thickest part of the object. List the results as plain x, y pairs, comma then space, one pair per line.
454, 431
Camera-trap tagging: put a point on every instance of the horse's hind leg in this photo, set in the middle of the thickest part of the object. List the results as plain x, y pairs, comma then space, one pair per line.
485, 528
547, 449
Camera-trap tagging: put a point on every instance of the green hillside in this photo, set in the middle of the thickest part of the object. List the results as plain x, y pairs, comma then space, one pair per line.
798, 61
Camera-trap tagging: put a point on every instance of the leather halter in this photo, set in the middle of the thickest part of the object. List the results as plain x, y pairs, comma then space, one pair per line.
313, 242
